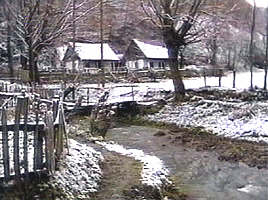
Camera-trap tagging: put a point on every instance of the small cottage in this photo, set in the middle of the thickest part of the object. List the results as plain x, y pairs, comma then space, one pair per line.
140, 55
87, 58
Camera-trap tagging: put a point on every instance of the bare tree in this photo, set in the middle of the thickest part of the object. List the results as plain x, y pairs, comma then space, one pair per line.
8, 34
251, 46
38, 26
176, 20
266, 53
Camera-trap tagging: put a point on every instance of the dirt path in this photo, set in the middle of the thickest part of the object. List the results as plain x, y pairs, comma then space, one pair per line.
122, 180
120, 173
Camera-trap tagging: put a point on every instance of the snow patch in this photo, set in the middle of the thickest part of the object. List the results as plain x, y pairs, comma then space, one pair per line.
250, 189
153, 173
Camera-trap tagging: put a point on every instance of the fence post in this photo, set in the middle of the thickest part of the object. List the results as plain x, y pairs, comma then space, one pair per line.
49, 130
87, 96
132, 92
5, 145
220, 75
234, 76
55, 108
38, 140
16, 137
25, 138
59, 133
205, 78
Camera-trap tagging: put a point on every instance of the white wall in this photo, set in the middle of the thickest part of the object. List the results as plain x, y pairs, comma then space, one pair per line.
137, 64
69, 66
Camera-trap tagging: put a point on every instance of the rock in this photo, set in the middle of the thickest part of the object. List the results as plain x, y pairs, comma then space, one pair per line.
160, 133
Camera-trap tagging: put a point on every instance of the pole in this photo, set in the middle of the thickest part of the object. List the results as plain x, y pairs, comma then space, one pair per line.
101, 44
74, 35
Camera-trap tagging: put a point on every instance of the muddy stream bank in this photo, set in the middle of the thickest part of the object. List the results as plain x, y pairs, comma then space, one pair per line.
197, 173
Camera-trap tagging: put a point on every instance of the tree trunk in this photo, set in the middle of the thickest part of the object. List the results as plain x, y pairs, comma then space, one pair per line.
33, 67
8, 38
9, 47
173, 45
23, 60
251, 44
214, 51
181, 58
229, 58
233, 66
30, 63
36, 71
175, 73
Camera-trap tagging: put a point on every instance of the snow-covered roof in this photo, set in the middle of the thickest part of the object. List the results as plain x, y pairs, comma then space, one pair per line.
152, 51
92, 51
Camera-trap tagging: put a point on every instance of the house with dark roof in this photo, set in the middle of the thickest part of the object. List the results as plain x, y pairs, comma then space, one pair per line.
140, 55
87, 58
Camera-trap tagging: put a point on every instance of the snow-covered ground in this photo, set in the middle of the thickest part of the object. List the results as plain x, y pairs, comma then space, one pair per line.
145, 91
242, 120
242, 81
80, 172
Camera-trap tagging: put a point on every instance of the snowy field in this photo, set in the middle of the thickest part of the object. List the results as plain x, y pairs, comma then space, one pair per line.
242, 81
146, 91
242, 120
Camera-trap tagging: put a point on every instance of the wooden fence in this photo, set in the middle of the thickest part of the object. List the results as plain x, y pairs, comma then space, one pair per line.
32, 141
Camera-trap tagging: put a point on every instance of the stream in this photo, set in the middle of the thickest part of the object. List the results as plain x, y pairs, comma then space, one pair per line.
199, 174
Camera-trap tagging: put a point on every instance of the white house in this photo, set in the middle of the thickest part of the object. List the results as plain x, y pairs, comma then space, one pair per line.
141, 55
87, 57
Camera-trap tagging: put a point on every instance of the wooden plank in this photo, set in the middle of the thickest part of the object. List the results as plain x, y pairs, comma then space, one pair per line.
87, 96
64, 128
49, 130
59, 134
5, 146
40, 150
40, 140
25, 138
16, 147
30, 127
36, 143
55, 108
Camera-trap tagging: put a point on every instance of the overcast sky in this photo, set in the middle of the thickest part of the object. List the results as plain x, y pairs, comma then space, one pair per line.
259, 3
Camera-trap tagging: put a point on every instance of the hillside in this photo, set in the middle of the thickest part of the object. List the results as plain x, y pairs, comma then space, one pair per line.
227, 37
125, 20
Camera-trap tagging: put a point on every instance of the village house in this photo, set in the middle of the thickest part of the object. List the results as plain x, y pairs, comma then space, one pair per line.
145, 56
87, 58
